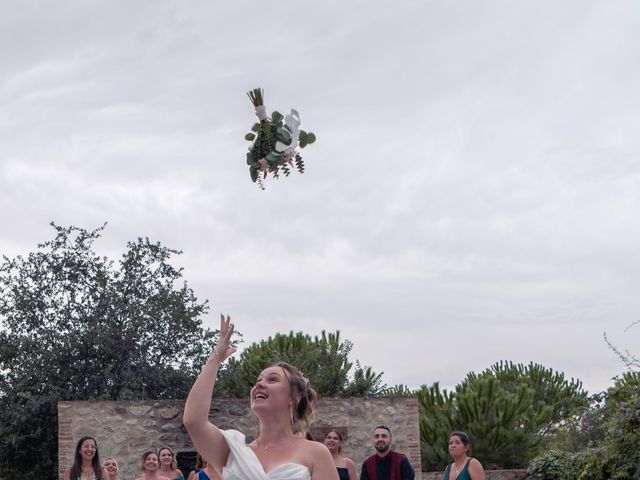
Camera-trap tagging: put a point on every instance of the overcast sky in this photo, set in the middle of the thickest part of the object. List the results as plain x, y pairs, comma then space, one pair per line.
473, 194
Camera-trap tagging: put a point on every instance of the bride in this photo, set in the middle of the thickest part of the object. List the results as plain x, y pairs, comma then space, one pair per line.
283, 401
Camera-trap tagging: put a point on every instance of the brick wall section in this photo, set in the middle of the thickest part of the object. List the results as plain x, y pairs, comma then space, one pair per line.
489, 475
66, 444
413, 434
125, 430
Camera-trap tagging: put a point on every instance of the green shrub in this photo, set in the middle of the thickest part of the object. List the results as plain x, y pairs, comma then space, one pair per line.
554, 465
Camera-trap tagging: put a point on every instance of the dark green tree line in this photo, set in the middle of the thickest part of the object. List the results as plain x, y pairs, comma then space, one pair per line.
78, 326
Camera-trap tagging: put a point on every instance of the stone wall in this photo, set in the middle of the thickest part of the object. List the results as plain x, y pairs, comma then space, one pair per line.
125, 430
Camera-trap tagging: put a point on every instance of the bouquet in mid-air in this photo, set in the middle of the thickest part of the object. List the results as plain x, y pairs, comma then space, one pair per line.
275, 140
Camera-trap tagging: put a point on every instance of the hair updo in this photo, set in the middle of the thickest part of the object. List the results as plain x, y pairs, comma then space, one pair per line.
304, 396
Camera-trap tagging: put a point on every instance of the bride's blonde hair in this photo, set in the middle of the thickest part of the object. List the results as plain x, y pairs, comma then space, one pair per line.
305, 397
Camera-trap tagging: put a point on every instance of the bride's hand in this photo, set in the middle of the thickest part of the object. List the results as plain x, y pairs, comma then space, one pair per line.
223, 350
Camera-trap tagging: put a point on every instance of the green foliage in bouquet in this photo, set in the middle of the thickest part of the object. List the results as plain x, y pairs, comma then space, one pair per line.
264, 156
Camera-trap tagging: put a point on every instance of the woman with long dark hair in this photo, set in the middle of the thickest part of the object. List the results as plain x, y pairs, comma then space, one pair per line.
345, 466
464, 467
86, 461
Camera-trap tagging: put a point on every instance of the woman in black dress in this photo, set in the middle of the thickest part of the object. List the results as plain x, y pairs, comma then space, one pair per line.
346, 467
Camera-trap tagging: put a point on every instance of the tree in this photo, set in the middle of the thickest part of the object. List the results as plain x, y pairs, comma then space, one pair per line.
554, 398
503, 423
323, 359
366, 382
602, 443
77, 326
507, 409
437, 416
494, 417
618, 455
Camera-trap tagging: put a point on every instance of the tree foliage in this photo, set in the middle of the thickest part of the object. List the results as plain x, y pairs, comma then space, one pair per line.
437, 417
603, 442
507, 410
78, 326
323, 359
554, 397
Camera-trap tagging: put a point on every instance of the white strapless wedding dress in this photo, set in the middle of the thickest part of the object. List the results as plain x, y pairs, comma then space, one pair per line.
243, 464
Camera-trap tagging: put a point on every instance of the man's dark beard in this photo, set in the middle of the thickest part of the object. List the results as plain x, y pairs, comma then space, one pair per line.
382, 449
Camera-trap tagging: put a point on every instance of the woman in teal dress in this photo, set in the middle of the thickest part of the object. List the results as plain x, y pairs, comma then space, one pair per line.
464, 467
168, 465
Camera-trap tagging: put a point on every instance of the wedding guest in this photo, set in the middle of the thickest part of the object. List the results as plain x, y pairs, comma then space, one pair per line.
345, 466
86, 461
151, 467
464, 467
386, 464
168, 465
110, 469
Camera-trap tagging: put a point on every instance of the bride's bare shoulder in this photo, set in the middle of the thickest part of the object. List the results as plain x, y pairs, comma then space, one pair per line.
315, 446
322, 466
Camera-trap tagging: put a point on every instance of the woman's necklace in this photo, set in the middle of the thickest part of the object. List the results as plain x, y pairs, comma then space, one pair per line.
459, 469
88, 474
270, 446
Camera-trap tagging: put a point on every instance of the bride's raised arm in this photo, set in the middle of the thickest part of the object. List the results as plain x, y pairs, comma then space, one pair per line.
207, 438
